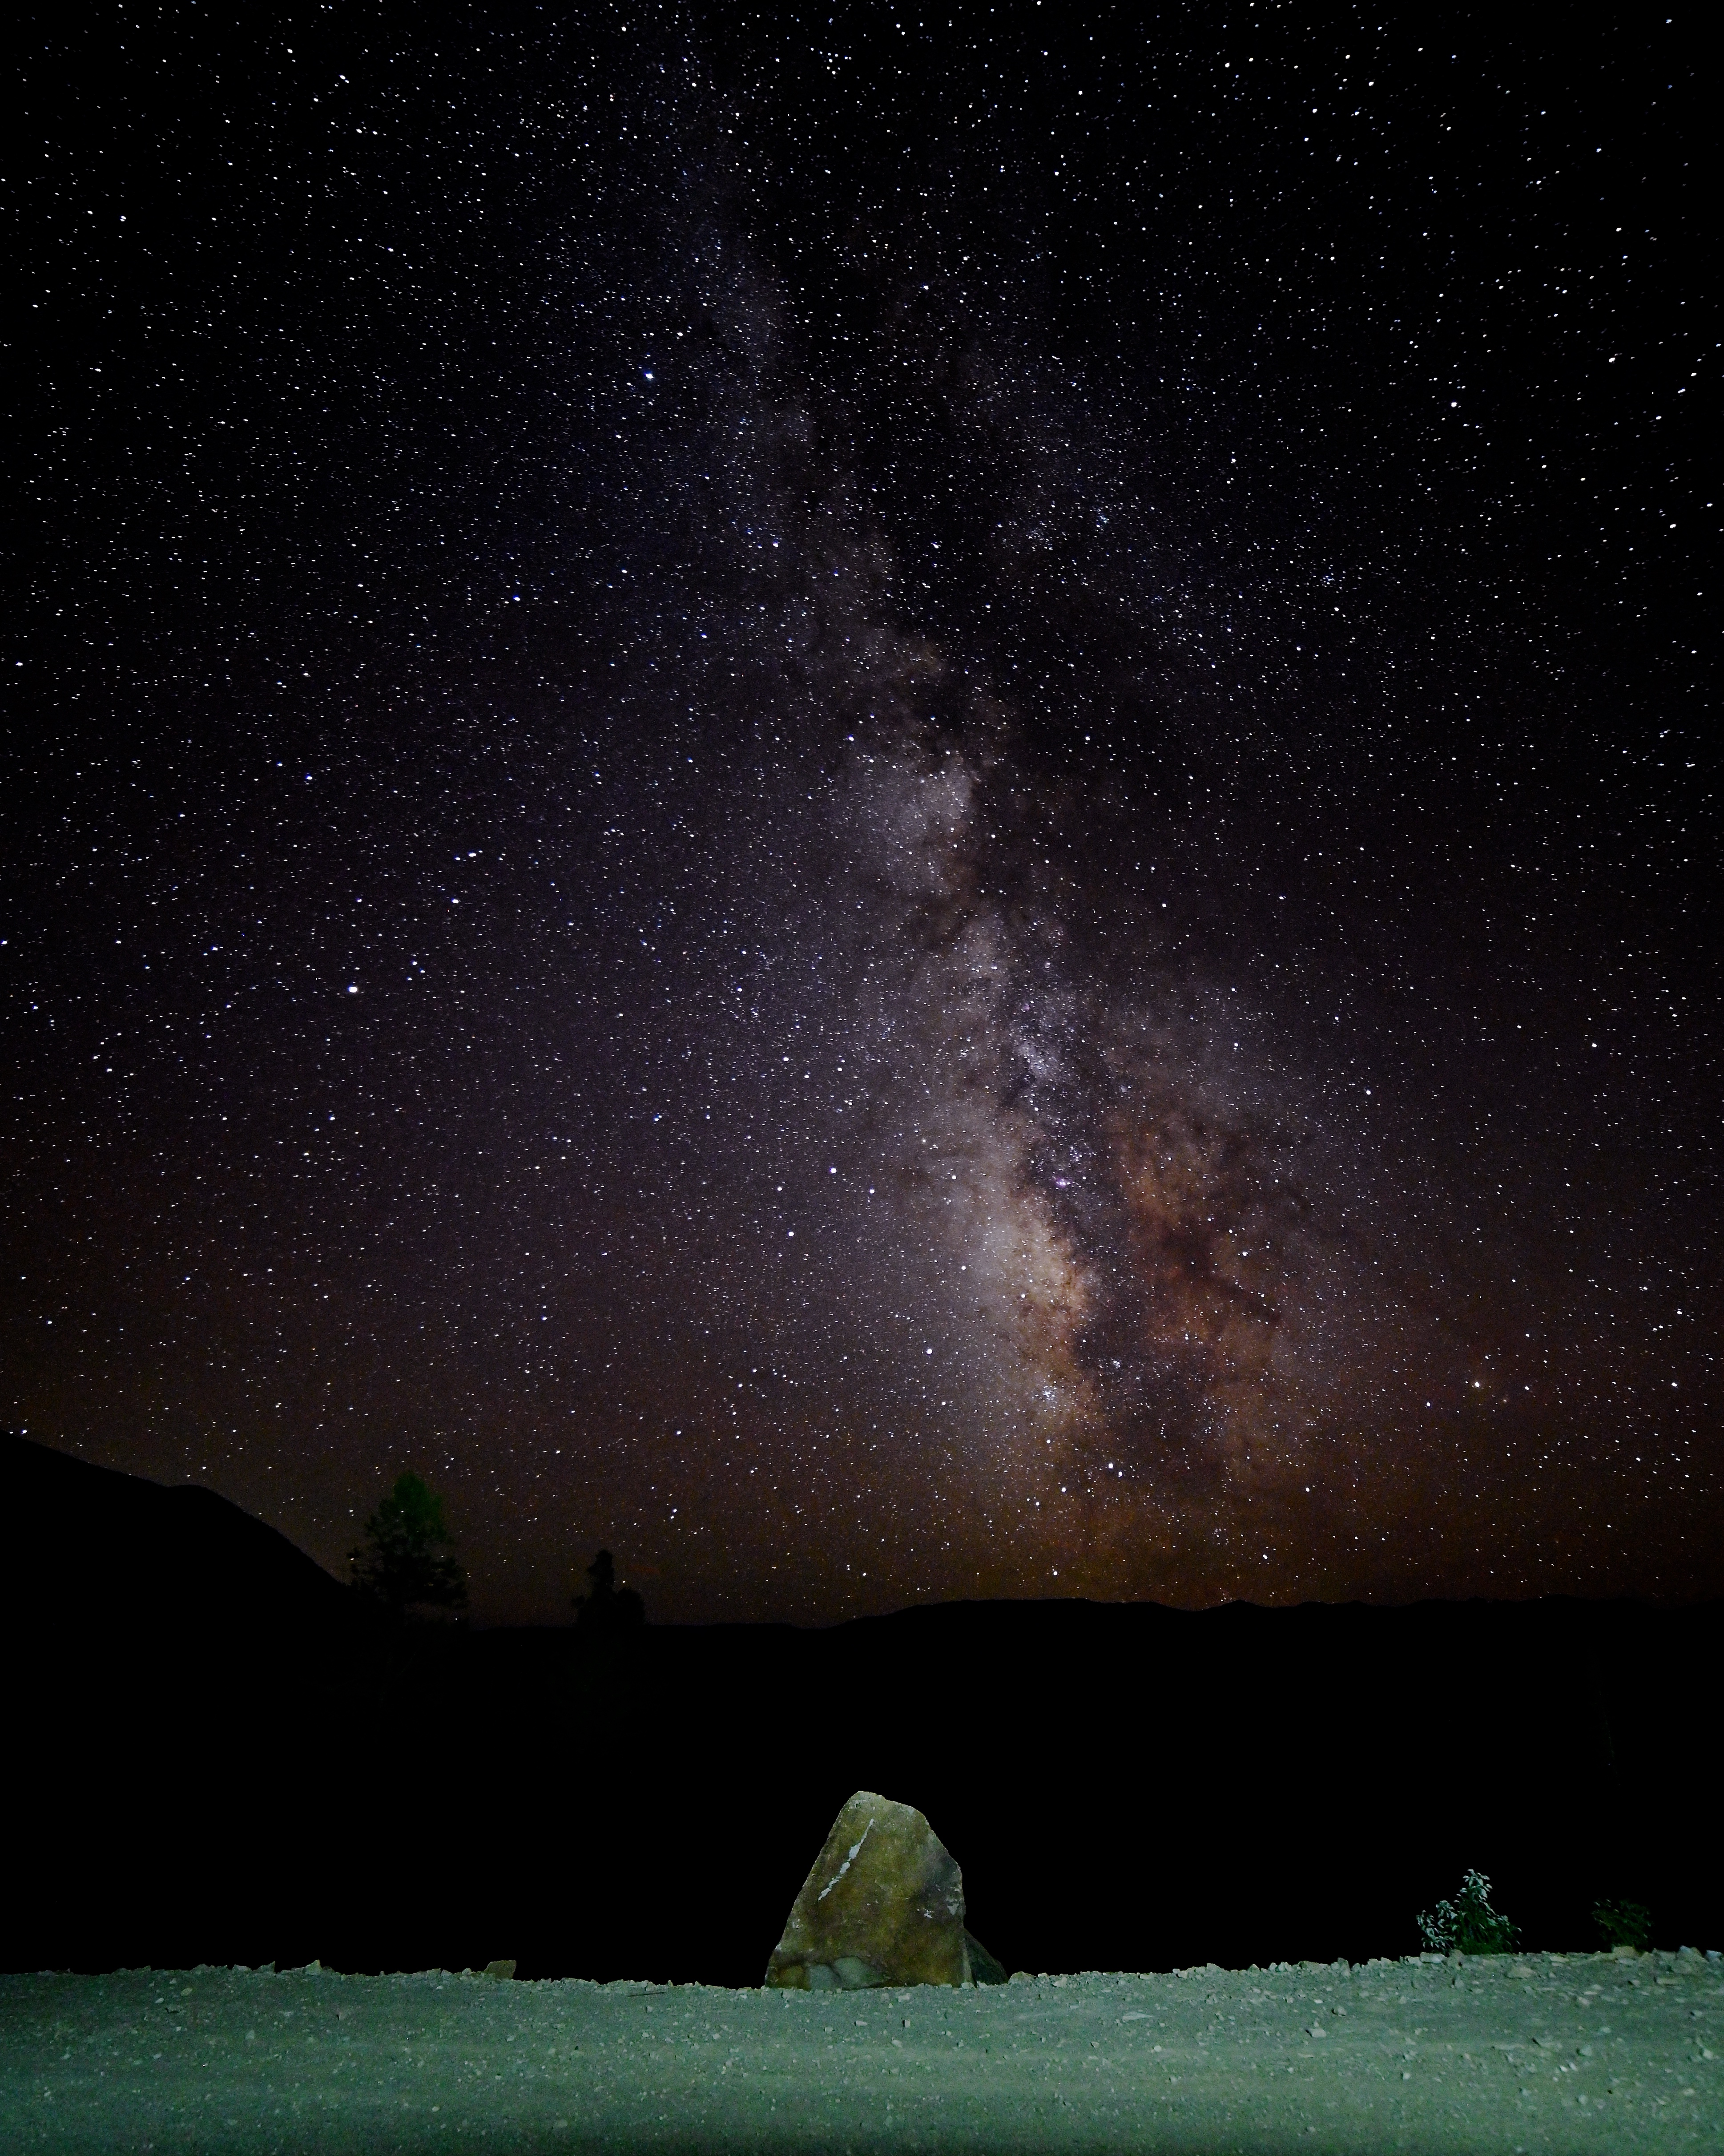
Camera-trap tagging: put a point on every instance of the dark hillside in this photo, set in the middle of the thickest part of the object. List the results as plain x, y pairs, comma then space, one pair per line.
220, 1762
86, 1546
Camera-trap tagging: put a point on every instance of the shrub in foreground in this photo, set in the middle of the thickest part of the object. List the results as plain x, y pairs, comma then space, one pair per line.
1624, 1923
1468, 1924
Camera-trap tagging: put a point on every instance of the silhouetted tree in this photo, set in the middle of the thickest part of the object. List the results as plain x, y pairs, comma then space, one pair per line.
407, 1560
607, 1611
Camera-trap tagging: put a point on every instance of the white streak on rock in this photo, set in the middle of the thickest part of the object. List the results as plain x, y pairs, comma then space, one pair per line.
855, 1852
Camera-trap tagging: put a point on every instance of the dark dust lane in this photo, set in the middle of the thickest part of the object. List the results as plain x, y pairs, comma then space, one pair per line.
1551, 2053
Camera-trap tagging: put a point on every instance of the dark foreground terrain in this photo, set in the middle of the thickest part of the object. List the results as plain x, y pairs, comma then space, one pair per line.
1544, 2054
214, 1760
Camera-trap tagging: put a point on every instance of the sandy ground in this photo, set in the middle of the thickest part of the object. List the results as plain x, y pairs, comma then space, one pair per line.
1547, 2053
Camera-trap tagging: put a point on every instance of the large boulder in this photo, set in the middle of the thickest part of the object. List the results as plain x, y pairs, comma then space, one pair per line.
884, 1904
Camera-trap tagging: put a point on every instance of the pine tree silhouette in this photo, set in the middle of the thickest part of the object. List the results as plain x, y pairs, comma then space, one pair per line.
407, 1560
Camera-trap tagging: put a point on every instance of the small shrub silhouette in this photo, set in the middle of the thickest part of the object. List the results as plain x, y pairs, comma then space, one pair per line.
1624, 1923
607, 1611
1468, 1924
407, 1560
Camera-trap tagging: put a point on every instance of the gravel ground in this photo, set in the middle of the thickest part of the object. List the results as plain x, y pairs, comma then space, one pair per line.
1551, 2052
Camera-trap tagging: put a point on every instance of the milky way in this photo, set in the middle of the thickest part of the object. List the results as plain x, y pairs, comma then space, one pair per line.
888, 827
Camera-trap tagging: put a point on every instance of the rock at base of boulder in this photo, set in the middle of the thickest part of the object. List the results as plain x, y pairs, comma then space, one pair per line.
884, 1904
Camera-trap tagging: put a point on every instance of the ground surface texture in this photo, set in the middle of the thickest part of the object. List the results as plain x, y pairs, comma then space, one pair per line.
1548, 2053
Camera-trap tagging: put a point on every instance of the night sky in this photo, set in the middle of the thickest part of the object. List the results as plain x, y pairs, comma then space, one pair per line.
893, 807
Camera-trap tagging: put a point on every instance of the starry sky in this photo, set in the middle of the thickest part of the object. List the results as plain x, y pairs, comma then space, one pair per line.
894, 806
